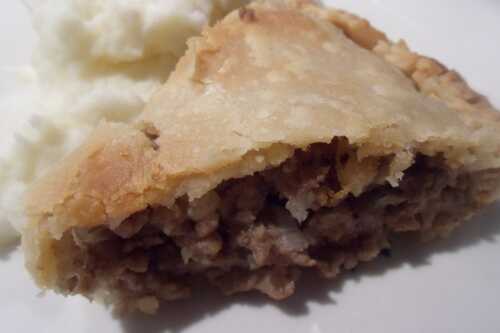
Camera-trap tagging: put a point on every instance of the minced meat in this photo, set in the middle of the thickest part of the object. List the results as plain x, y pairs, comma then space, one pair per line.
258, 232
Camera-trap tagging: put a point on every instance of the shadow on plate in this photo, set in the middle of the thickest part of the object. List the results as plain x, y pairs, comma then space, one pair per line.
180, 315
7, 250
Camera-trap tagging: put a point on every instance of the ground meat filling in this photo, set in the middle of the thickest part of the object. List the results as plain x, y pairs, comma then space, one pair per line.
258, 232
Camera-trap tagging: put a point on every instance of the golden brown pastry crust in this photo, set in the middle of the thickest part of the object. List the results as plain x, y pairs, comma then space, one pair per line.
429, 75
248, 93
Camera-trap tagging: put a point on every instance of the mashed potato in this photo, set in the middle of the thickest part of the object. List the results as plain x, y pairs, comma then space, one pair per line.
95, 59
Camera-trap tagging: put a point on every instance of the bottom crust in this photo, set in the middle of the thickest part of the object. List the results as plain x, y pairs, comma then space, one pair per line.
323, 209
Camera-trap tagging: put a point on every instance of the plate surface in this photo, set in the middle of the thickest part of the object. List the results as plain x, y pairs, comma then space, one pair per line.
448, 286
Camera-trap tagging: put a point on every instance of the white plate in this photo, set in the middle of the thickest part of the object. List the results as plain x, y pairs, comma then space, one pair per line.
449, 286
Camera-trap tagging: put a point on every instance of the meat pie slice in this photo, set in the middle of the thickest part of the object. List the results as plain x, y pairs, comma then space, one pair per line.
289, 137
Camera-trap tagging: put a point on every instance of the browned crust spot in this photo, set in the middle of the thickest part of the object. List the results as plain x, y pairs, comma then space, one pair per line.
247, 15
152, 133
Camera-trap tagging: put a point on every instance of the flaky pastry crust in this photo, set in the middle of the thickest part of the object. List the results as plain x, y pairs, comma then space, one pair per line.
268, 80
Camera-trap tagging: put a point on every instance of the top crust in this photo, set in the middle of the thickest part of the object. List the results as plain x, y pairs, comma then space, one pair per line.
267, 80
